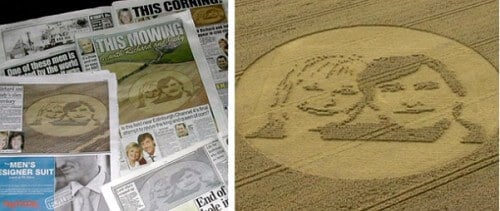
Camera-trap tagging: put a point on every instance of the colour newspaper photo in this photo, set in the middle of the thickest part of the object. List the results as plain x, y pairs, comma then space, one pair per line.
166, 95
210, 19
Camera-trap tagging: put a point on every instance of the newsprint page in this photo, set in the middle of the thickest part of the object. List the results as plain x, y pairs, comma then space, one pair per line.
58, 60
162, 76
55, 136
210, 20
20, 39
192, 179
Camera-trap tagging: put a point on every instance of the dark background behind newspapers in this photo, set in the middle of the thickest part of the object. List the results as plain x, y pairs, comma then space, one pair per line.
15, 11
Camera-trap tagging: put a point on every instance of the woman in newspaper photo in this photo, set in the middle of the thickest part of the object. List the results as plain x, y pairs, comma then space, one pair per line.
223, 45
134, 155
4, 140
16, 141
125, 16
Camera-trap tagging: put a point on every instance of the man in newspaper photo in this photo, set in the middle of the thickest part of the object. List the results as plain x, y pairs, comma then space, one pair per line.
181, 130
148, 144
222, 63
83, 177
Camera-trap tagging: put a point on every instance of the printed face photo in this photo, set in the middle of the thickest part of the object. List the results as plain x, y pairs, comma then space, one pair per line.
148, 145
134, 153
16, 141
4, 140
86, 45
74, 168
223, 44
125, 16
181, 130
222, 62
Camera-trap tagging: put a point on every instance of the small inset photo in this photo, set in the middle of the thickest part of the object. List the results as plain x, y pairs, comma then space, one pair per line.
11, 142
181, 130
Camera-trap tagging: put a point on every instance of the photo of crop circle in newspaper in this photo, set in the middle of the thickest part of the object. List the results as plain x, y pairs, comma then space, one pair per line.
208, 15
169, 89
159, 89
173, 184
66, 118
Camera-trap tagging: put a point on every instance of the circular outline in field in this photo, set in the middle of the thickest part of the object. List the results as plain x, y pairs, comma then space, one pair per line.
308, 153
155, 76
32, 114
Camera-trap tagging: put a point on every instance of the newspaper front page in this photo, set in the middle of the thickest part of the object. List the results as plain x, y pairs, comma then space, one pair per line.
55, 137
192, 179
20, 39
210, 19
58, 60
166, 98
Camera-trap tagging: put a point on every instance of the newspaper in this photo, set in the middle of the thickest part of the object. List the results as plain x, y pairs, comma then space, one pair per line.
58, 60
192, 179
211, 24
53, 182
73, 113
24, 38
166, 98
56, 134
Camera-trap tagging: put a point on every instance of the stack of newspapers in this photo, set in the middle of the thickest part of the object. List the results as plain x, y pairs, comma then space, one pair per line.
116, 108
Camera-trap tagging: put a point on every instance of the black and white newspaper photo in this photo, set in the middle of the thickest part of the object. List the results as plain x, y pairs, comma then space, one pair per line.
191, 179
24, 38
71, 113
166, 96
58, 60
78, 182
210, 19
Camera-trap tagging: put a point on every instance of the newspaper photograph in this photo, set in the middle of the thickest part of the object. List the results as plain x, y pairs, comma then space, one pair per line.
192, 179
31, 36
166, 96
69, 113
58, 60
210, 20
54, 182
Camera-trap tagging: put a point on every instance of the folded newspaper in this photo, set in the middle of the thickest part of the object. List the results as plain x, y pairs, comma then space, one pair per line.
24, 38
55, 138
166, 95
192, 179
211, 25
